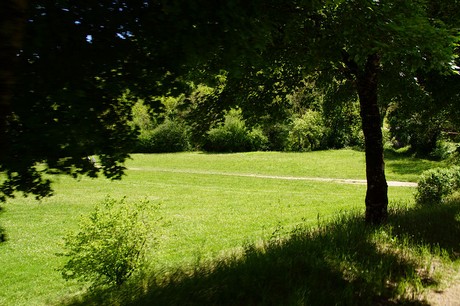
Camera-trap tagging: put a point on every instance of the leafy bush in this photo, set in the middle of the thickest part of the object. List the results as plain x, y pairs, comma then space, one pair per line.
170, 136
444, 150
110, 245
142, 117
233, 136
306, 132
257, 139
277, 136
419, 128
435, 184
144, 141
343, 123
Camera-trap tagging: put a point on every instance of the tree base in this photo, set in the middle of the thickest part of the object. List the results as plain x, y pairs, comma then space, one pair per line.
377, 214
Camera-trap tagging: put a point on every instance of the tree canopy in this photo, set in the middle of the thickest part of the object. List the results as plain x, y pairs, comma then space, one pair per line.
82, 64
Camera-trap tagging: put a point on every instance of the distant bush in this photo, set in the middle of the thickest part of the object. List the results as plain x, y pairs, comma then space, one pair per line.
436, 184
110, 245
170, 136
142, 117
277, 136
444, 150
257, 139
233, 136
419, 128
144, 141
343, 123
306, 132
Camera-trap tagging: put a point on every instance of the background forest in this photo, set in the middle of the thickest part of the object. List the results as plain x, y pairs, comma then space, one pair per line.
306, 119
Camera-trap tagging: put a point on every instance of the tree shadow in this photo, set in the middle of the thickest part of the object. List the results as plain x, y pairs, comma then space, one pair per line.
405, 164
338, 263
437, 226
2, 235
2, 230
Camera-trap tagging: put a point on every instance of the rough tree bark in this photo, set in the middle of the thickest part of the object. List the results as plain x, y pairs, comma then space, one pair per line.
377, 188
366, 83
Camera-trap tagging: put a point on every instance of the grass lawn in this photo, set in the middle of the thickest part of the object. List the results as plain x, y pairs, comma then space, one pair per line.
205, 213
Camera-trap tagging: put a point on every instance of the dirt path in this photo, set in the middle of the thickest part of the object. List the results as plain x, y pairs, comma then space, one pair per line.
277, 177
447, 297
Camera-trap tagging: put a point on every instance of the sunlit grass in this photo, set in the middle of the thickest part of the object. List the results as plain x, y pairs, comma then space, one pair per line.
345, 164
204, 215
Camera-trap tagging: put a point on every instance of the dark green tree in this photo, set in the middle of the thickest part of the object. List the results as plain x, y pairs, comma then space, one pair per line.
63, 100
401, 41
79, 57
362, 48
426, 107
66, 64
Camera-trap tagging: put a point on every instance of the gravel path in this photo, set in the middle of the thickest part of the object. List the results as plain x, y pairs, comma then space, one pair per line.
278, 177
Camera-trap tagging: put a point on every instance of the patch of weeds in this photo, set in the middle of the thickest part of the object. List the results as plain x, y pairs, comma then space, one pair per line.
110, 245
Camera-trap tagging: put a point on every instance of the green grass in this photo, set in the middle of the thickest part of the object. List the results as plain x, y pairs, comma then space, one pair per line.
345, 164
205, 214
342, 262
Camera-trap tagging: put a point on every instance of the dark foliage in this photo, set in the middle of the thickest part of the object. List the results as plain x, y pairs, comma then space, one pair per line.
79, 57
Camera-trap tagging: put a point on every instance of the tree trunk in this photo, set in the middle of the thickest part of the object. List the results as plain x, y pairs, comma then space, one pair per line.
377, 188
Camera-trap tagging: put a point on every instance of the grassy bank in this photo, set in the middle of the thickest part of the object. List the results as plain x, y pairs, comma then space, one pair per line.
341, 262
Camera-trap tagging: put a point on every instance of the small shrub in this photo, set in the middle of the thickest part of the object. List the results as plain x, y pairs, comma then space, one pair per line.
144, 141
306, 132
443, 150
110, 245
343, 124
277, 136
142, 118
170, 136
435, 184
259, 142
232, 135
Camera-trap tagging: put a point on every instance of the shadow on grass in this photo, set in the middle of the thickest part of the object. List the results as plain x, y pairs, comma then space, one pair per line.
404, 163
2, 230
345, 262
435, 226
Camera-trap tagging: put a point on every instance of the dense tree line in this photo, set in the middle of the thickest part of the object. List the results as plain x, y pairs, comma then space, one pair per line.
81, 65
425, 125
306, 124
